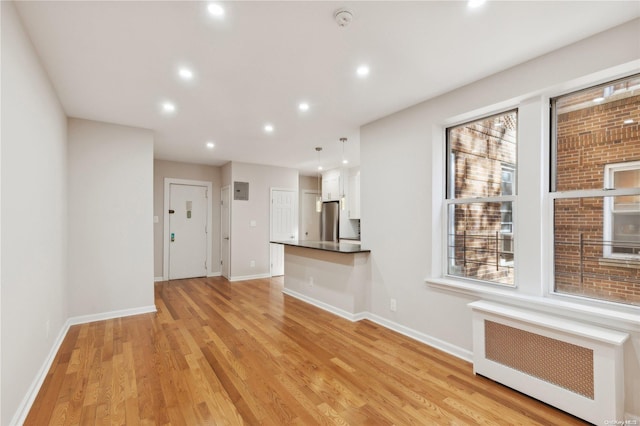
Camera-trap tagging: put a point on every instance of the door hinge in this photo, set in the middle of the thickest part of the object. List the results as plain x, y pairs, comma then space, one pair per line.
221, 262
206, 193
205, 229
205, 264
221, 202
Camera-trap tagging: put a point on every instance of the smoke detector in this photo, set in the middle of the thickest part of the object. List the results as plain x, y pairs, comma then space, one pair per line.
343, 17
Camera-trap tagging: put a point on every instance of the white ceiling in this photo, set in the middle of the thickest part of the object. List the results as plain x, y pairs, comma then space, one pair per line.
117, 61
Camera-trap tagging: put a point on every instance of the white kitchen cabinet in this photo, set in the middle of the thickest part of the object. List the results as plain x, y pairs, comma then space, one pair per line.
354, 193
331, 185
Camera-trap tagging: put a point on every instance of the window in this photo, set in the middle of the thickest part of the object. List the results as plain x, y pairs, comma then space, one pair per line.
595, 190
622, 213
481, 189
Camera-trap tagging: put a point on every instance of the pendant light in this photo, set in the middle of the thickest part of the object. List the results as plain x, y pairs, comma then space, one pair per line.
319, 195
343, 197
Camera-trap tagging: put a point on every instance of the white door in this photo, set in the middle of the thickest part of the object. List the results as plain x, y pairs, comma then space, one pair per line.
284, 225
310, 218
225, 234
188, 231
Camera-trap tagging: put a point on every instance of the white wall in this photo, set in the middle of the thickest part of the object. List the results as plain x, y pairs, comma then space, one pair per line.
34, 215
252, 243
172, 169
111, 218
402, 180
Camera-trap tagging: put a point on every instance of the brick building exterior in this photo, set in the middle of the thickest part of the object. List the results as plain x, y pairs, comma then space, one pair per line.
482, 158
594, 133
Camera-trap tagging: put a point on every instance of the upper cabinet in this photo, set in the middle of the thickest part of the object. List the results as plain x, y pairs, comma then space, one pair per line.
331, 185
354, 193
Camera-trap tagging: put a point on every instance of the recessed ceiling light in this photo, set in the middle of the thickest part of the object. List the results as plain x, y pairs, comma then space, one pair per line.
303, 106
168, 107
475, 3
268, 128
598, 99
185, 73
628, 121
319, 167
210, 145
345, 161
362, 71
215, 10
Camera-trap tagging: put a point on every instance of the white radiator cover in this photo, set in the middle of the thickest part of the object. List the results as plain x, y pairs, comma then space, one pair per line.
575, 367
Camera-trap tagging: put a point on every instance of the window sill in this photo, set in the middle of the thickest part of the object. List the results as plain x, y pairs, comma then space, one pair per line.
599, 313
619, 262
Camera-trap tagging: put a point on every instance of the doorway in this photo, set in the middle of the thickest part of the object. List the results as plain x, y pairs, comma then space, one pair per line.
309, 217
284, 225
187, 225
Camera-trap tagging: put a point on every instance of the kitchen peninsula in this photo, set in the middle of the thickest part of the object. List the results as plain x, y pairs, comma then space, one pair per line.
331, 275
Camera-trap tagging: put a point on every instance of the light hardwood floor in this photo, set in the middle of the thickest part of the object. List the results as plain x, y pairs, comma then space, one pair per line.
244, 353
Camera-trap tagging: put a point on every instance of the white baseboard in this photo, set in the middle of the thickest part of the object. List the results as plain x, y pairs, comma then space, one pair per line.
25, 406
209, 275
249, 277
325, 306
406, 331
456, 351
83, 319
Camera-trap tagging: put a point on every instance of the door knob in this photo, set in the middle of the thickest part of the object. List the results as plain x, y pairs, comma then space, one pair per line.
226, 238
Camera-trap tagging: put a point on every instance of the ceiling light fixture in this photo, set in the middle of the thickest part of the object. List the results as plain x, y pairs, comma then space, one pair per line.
362, 71
628, 121
168, 107
185, 73
475, 3
268, 128
210, 145
303, 106
215, 10
318, 194
598, 99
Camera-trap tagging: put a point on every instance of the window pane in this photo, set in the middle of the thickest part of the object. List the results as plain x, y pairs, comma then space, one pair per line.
590, 259
478, 153
627, 179
596, 127
477, 246
597, 239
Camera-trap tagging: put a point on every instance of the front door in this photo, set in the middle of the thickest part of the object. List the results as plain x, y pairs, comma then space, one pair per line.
284, 225
188, 231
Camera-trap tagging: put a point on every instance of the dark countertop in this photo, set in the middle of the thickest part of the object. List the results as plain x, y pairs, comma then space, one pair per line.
326, 246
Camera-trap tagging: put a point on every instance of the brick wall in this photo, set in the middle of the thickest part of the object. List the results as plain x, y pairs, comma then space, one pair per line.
589, 138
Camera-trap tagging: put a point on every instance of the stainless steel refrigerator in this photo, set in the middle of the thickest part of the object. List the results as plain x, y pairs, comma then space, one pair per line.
330, 221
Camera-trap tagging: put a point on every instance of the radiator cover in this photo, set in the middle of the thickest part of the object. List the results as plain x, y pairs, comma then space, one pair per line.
573, 366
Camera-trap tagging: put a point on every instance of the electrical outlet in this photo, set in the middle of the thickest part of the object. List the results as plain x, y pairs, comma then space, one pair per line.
252, 264
310, 281
47, 327
393, 306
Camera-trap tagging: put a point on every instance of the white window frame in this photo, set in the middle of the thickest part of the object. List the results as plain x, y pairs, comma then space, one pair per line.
553, 194
609, 171
450, 191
